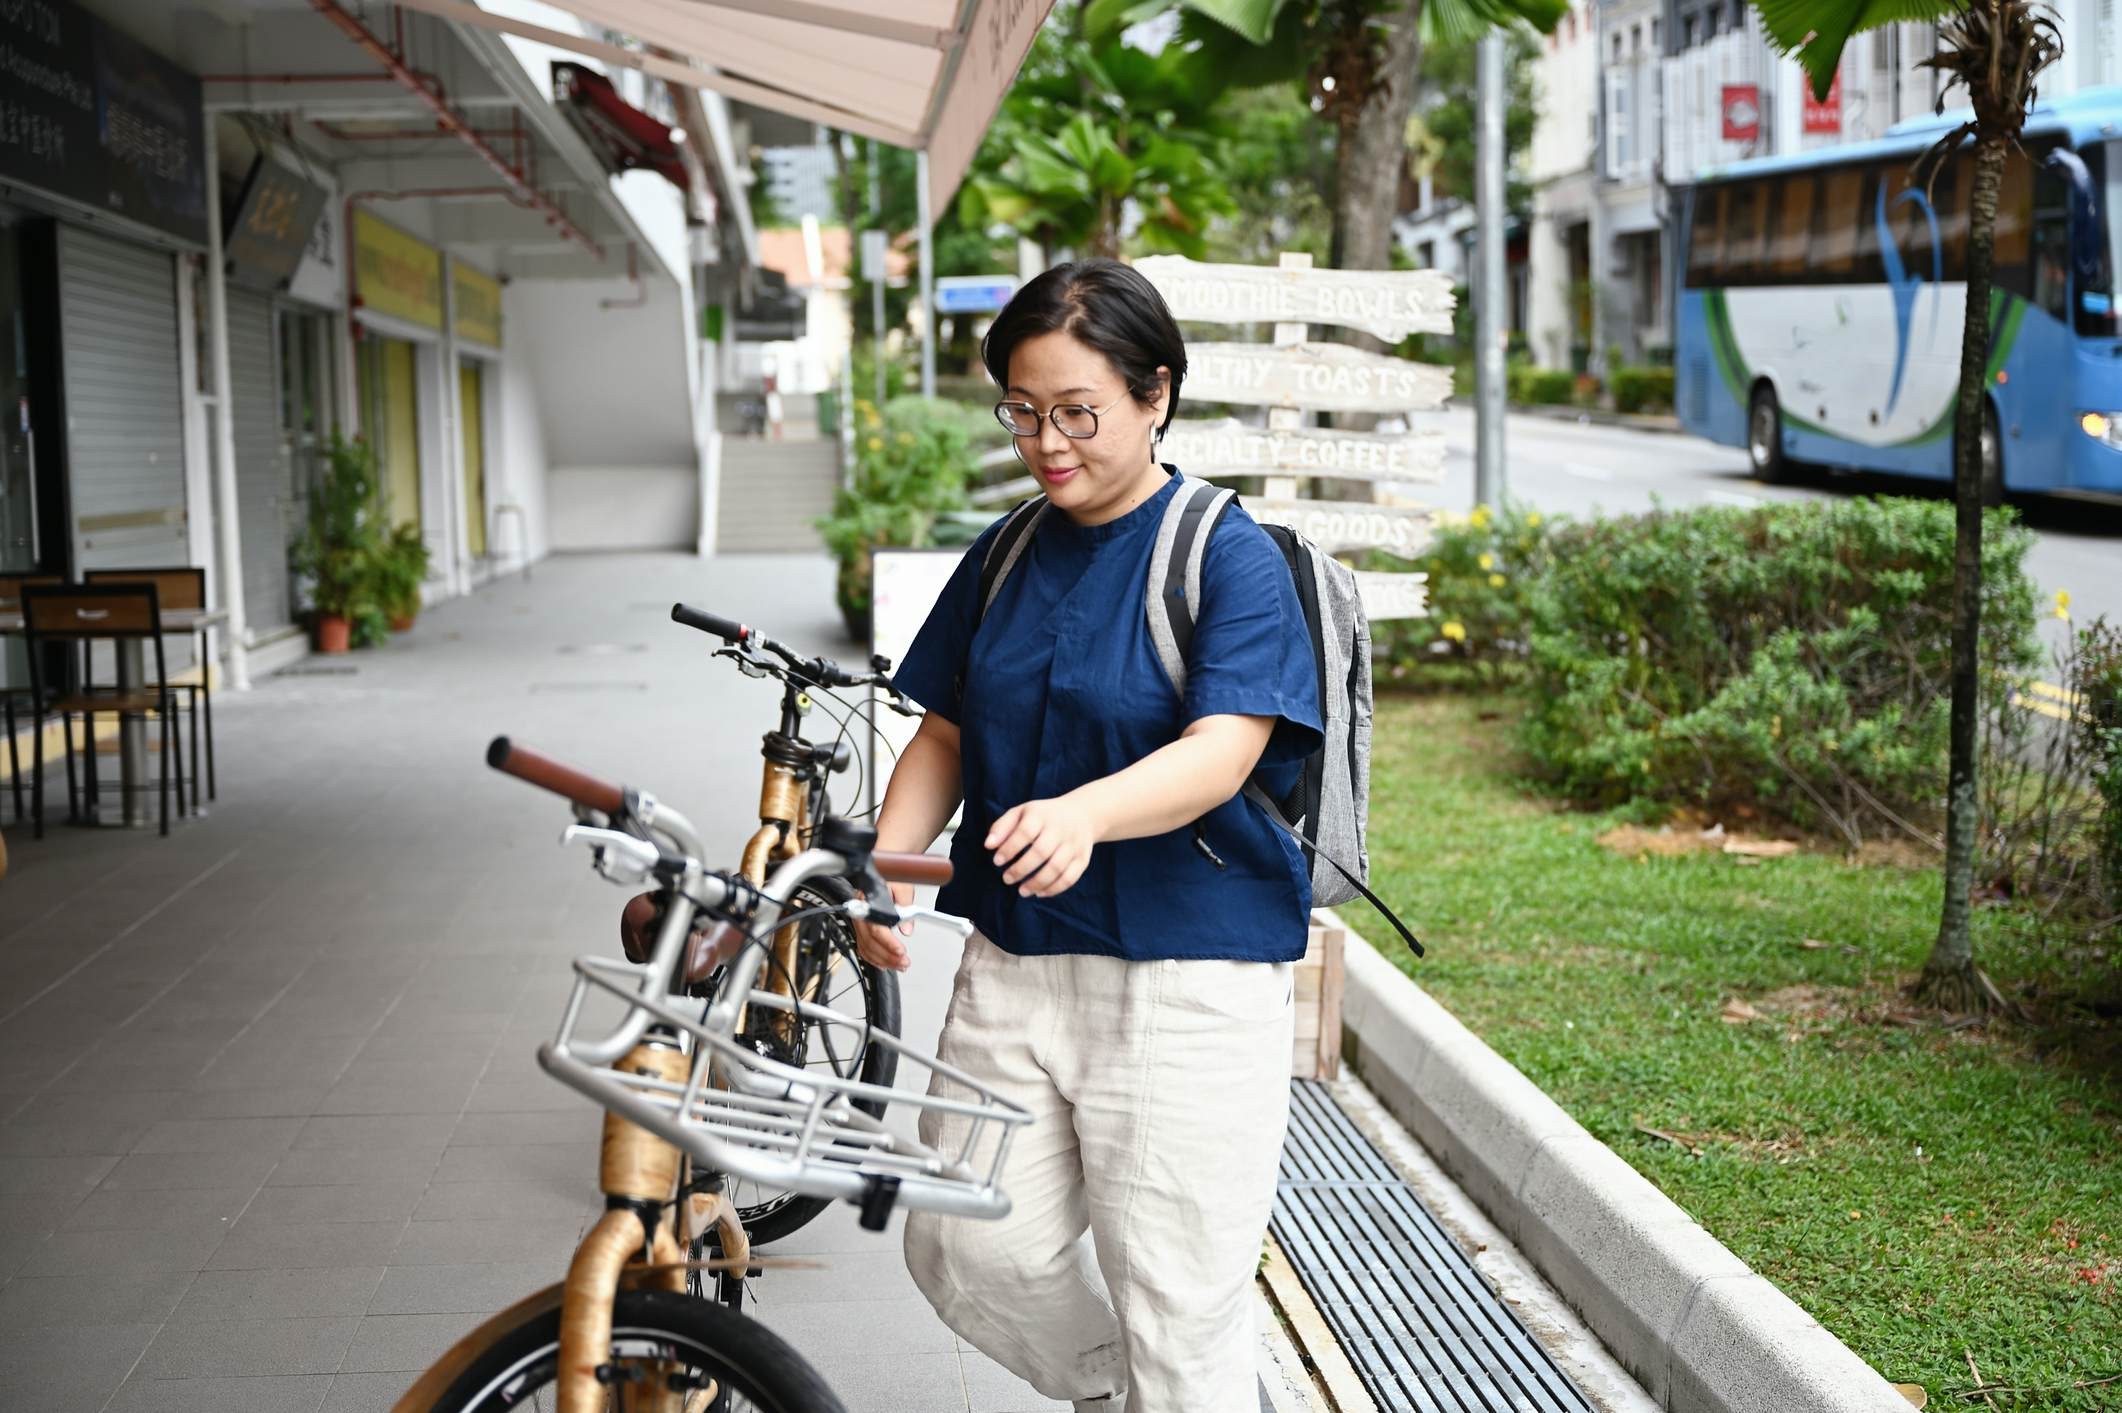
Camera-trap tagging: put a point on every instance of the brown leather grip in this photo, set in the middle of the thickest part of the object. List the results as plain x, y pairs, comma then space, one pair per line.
637, 921
562, 780
912, 868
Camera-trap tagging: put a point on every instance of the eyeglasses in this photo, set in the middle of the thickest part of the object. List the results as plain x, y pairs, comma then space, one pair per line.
1070, 419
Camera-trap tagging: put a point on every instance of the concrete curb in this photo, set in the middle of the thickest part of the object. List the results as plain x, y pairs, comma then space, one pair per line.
1691, 1321
1599, 416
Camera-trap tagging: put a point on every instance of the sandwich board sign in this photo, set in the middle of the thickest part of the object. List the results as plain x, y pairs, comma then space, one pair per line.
1294, 375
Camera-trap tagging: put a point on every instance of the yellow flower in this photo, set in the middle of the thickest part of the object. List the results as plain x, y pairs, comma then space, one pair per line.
1486, 561
1479, 517
1532, 517
1454, 631
2062, 603
876, 443
906, 439
873, 420
1495, 581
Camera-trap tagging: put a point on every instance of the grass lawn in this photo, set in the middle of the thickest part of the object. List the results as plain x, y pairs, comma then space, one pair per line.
1925, 1192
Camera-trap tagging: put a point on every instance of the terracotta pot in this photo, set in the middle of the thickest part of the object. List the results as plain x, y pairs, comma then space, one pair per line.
334, 634
401, 622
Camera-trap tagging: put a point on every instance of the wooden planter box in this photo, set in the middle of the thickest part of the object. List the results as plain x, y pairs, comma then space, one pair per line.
1319, 982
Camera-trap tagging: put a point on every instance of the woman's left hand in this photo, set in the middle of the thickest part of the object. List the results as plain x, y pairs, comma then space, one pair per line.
1045, 845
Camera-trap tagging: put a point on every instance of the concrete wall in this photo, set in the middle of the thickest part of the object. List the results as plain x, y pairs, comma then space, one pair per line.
602, 507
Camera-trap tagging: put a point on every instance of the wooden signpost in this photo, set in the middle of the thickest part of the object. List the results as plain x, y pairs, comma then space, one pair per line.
1292, 376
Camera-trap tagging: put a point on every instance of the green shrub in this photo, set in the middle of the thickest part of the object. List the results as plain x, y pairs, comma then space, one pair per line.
1481, 569
913, 461
1793, 658
1639, 389
1540, 386
2099, 728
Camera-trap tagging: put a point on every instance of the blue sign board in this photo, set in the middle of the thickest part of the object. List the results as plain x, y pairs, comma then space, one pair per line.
973, 294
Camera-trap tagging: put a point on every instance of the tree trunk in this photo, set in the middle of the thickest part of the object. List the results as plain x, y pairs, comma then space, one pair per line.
1950, 978
1368, 159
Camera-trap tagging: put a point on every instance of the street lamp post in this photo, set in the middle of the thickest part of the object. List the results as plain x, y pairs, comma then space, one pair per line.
1490, 205
926, 218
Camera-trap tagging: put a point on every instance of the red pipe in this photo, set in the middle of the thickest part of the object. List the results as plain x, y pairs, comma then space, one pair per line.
447, 118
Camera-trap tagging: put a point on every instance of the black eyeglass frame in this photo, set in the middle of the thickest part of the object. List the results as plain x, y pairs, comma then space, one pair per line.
1048, 416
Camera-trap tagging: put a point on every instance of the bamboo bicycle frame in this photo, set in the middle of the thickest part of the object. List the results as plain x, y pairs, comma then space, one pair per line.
640, 1175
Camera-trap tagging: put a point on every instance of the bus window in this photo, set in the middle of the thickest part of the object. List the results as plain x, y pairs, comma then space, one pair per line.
1705, 245
1835, 224
2010, 267
1948, 197
1790, 239
2051, 242
1868, 268
1907, 201
1743, 230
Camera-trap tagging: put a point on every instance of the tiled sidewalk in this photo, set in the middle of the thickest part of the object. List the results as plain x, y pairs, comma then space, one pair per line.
271, 1130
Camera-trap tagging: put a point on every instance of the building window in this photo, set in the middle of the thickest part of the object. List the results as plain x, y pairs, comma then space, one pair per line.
1617, 46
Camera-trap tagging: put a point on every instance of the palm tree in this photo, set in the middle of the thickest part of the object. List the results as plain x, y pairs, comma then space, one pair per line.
1357, 61
1995, 50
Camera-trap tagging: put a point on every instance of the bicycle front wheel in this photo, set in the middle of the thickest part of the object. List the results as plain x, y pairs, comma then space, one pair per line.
720, 1362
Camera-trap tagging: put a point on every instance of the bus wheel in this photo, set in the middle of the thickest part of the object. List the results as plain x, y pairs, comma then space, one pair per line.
1764, 436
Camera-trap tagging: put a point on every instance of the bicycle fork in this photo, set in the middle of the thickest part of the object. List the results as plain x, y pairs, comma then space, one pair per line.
639, 1174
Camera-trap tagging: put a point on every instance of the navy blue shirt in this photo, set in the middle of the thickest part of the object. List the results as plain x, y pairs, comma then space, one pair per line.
1062, 686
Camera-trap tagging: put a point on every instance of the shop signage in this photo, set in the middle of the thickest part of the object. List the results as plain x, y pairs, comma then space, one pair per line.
320, 278
1387, 304
92, 116
1336, 525
272, 225
1742, 112
1824, 115
1228, 447
1327, 377
476, 304
396, 274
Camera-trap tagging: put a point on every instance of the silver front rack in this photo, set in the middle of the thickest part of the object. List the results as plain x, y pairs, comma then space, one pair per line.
742, 1113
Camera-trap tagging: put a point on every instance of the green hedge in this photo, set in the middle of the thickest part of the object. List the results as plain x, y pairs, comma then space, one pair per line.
914, 460
1792, 657
1640, 389
1482, 568
1540, 386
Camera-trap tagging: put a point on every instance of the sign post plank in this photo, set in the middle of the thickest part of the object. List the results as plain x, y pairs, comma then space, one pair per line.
1227, 447
1337, 525
1324, 377
1386, 303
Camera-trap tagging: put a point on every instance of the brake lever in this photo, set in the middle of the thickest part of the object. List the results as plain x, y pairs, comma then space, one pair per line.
622, 858
891, 915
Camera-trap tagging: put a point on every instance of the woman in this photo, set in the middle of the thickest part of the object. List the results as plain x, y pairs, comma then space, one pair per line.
1129, 987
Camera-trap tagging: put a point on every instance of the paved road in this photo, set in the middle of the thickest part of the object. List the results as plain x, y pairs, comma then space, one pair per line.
1579, 468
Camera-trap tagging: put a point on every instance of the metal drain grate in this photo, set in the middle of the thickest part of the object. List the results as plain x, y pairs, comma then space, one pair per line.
317, 669
1421, 1326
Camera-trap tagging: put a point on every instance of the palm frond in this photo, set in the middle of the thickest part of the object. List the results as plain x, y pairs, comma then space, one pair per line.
1815, 31
1461, 21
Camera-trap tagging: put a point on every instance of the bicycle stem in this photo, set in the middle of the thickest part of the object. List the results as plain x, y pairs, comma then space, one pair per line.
660, 972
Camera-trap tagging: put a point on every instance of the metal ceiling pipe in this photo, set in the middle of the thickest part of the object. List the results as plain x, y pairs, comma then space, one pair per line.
446, 117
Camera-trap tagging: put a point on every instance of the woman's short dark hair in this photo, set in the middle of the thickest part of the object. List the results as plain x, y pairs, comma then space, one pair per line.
1109, 306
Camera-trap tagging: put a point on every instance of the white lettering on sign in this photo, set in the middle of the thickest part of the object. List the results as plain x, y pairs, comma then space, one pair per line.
1328, 377
1393, 595
1336, 525
1227, 447
1390, 304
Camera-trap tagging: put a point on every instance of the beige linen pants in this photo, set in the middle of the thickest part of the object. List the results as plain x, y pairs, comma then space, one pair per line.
1159, 1093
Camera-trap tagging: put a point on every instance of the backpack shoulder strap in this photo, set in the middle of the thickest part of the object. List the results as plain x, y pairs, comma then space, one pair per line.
1259, 797
1174, 586
1008, 547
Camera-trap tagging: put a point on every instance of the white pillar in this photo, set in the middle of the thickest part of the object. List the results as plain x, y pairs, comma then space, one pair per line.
224, 441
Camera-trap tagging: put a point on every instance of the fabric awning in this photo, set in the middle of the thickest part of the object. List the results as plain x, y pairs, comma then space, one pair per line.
924, 74
623, 135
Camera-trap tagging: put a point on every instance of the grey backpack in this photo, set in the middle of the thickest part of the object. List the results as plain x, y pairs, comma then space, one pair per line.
1328, 809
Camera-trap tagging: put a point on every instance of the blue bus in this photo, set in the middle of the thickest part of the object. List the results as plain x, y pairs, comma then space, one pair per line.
1822, 299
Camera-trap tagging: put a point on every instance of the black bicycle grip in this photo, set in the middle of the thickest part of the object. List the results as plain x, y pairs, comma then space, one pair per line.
721, 627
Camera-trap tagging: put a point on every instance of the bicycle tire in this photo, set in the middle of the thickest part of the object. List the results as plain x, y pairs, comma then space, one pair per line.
756, 1364
766, 1222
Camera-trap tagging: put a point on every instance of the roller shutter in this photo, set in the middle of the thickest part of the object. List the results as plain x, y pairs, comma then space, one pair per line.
124, 402
262, 490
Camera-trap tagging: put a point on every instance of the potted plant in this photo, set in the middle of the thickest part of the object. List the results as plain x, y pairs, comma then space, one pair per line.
914, 459
337, 551
401, 568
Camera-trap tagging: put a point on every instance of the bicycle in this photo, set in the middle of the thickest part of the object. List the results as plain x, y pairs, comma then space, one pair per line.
690, 1104
815, 959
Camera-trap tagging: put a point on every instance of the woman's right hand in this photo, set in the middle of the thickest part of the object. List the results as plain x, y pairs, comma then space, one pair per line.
878, 944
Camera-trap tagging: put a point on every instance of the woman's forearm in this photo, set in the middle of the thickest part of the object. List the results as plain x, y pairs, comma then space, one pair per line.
923, 794
1176, 784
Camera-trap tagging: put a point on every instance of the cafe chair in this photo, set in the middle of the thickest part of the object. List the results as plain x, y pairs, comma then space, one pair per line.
78, 617
16, 698
178, 589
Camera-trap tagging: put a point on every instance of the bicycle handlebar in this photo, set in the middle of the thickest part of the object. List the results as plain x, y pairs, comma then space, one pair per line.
911, 868
821, 671
564, 781
723, 628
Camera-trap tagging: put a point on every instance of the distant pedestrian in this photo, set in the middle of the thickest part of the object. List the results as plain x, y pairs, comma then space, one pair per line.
1130, 982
